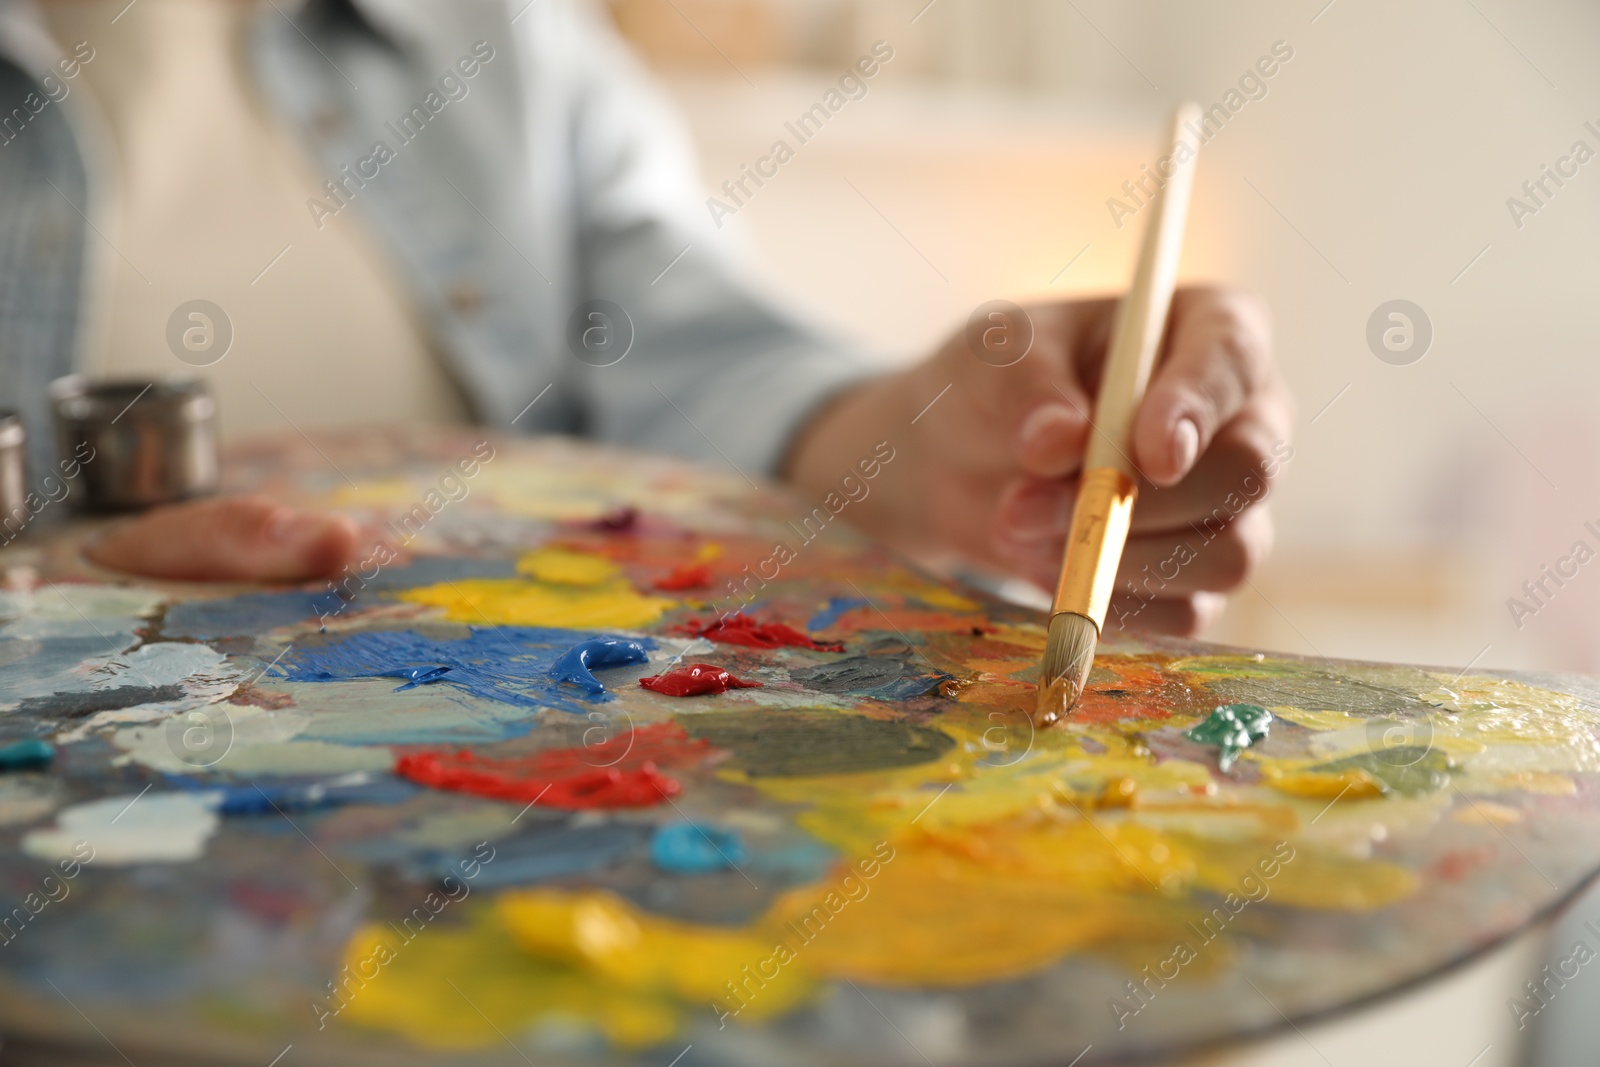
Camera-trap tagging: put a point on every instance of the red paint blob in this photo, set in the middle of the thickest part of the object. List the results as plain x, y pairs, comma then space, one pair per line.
741, 629
620, 520
686, 576
621, 772
696, 680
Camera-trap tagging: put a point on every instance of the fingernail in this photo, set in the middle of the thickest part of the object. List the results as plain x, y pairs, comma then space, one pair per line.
1185, 445
1044, 422
290, 527
1031, 515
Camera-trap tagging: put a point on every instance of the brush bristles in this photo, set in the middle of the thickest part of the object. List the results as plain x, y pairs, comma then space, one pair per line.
1068, 655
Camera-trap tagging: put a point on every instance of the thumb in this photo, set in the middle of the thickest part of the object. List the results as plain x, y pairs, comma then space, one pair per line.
230, 539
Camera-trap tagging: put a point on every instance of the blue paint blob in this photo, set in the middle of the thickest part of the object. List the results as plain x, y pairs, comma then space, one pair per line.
27, 755
417, 675
579, 662
687, 848
261, 800
830, 615
914, 684
299, 796
508, 664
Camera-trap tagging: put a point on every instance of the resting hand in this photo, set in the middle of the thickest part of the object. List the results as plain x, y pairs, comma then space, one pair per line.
240, 539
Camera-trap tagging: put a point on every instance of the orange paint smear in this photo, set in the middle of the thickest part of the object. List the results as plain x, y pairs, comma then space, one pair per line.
1098, 705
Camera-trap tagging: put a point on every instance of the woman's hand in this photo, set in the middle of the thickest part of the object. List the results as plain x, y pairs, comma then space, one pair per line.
237, 539
990, 470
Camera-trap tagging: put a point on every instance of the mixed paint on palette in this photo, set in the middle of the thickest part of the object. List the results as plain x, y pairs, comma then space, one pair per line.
616, 757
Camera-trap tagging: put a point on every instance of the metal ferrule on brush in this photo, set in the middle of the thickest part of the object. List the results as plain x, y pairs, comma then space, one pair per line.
1100, 521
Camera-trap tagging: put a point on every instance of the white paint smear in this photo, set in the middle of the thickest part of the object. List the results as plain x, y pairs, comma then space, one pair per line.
253, 741
153, 828
68, 608
205, 675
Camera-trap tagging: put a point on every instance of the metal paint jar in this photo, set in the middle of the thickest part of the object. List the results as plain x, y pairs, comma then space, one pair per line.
140, 443
13, 472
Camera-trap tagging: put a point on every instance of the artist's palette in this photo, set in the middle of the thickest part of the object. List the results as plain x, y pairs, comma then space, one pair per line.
434, 816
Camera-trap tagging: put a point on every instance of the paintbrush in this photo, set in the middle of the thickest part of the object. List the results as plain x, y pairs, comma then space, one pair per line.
1109, 485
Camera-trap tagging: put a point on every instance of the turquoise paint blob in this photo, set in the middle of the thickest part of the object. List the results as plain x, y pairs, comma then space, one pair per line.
578, 663
513, 665
1232, 728
685, 848
27, 755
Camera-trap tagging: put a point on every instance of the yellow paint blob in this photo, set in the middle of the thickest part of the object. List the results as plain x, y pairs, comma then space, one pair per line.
1320, 721
1554, 785
459, 988
610, 939
1308, 879
1023, 634
609, 605
560, 566
1495, 711
1481, 812
1351, 784
1234, 666
937, 596
953, 911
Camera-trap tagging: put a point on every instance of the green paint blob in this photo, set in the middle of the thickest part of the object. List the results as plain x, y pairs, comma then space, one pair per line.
26, 755
1232, 728
1409, 770
773, 743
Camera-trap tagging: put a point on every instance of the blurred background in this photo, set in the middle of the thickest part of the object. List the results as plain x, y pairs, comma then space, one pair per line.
1374, 164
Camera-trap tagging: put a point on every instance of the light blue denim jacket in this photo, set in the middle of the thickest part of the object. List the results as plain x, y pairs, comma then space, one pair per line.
554, 176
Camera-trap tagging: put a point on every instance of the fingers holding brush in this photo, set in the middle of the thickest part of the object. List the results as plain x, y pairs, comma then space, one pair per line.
1236, 473
1216, 367
1170, 564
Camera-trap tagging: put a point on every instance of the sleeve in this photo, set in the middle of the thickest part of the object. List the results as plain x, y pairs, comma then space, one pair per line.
44, 255
711, 369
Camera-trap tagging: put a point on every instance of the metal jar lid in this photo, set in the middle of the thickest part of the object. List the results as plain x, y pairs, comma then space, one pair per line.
139, 442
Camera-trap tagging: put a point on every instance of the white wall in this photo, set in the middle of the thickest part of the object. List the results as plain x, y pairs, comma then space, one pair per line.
1420, 501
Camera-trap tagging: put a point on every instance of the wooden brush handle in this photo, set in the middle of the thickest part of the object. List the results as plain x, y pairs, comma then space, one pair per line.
1143, 313
1109, 487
